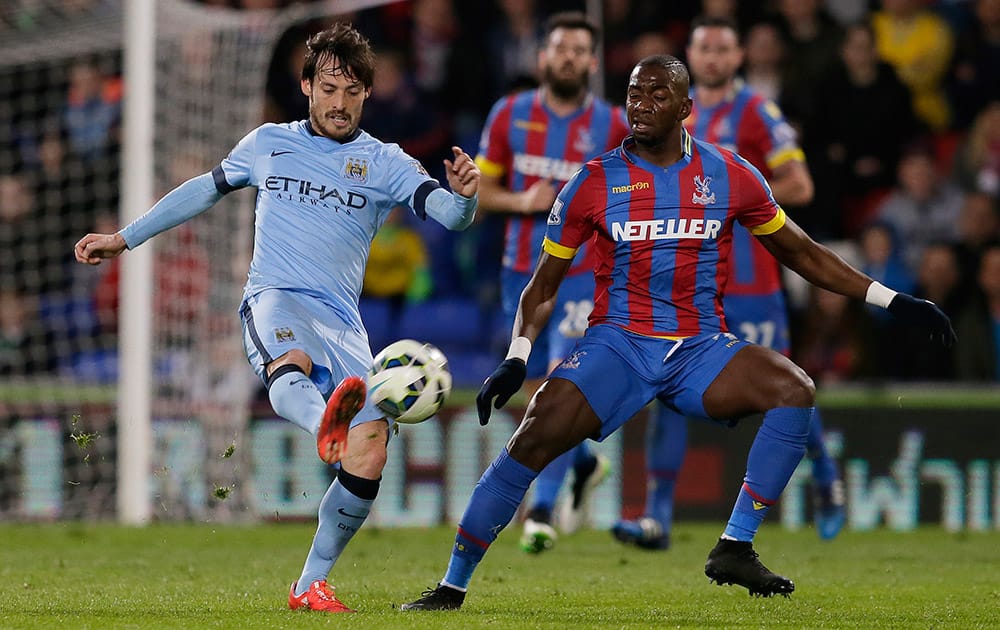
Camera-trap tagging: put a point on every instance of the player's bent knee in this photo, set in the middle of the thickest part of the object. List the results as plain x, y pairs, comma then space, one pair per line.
292, 357
797, 389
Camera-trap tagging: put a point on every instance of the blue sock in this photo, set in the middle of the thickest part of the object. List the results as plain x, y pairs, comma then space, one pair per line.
824, 469
548, 483
666, 443
494, 501
294, 397
774, 455
342, 511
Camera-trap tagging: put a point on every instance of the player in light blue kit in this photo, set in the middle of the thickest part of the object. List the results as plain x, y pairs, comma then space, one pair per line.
324, 187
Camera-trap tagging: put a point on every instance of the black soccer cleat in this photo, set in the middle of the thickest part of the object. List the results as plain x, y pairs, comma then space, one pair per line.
735, 562
440, 598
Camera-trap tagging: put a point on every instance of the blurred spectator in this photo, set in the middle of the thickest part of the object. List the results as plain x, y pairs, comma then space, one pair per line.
847, 12
977, 352
975, 77
64, 190
811, 37
853, 145
283, 97
919, 45
831, 348
433, 35
938, 281
512, 44
397, 112
881, 258
93, 110
978, 227
397, 266
764, 59
24, 238
23, 345
924, 206
977, 160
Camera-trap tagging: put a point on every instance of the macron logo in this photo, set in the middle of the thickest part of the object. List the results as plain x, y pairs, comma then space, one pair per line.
661, 229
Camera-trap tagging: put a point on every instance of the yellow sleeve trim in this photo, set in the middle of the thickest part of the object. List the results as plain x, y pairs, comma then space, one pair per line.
771, 226
781, 157
559, 251
486, 167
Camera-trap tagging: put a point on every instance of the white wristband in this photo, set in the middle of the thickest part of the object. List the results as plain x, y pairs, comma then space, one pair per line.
879, 295
520, 348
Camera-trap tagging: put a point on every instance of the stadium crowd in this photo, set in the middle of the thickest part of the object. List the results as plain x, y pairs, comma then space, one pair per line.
896, 104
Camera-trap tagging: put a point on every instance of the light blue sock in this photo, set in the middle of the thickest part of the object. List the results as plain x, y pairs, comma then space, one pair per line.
665, 447
824, 469
295, 398
341, 514
774, 455
550, 481
493, 503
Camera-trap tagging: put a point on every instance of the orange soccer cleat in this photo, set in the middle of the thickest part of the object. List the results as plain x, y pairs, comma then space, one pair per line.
320, 596
345, 402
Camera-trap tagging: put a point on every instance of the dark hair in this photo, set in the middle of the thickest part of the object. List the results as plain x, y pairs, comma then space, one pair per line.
669, 63
573, 20
717, 21
350, 48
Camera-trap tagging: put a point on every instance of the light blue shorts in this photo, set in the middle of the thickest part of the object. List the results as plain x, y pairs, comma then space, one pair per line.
276, 321
620, 372
567, 324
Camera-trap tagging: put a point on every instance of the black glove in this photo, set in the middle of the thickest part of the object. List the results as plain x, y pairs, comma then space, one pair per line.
502, 384
923, 313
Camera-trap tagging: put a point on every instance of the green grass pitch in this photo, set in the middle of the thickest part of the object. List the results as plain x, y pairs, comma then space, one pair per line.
71, 575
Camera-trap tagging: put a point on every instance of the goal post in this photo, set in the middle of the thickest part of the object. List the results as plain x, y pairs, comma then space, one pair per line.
135, 350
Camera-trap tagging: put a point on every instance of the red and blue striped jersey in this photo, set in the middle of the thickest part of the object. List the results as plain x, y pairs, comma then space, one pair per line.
523, 142
661, 235
754, 127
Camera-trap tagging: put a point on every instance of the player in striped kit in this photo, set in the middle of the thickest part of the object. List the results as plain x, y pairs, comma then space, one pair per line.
660, 211
532, 143
324, 187
728, 113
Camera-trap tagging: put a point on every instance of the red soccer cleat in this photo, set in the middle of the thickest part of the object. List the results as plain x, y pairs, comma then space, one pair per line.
344, 404
320, 596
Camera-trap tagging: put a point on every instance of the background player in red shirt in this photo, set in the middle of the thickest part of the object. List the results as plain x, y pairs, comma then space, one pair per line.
728, 113
660, 211
532, 143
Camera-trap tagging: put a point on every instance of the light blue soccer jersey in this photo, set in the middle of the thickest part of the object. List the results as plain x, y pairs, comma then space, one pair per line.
319, 204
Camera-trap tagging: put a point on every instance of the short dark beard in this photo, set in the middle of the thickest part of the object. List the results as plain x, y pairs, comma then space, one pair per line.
565, 90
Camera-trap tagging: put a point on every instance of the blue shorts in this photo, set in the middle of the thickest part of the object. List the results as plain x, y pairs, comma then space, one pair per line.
620, 372
569, 317
760, 319
276, 321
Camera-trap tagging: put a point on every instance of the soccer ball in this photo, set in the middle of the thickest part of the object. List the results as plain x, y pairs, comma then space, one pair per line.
409, 381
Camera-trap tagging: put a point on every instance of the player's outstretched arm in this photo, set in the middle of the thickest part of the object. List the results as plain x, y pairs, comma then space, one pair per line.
823, 268
533, 312
94, 248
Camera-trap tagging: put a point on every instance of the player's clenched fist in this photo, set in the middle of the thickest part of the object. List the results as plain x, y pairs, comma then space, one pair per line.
93, 248
463, 174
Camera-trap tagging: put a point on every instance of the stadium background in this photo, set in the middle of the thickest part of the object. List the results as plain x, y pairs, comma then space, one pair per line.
916, 441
